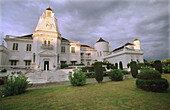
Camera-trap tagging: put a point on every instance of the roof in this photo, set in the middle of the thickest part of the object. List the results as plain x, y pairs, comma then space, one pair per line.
122, 46
128, 44
29, 36
136, 39
65, 39
101, 40
85, 46
49, 9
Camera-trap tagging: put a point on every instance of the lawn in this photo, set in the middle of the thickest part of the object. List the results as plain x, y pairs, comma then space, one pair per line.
108, 95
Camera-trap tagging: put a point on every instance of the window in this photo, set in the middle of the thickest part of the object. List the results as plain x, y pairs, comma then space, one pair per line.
72, 49
62, 49
88, 63
45, 42
27, 62
13, 62
15, 46
28, 47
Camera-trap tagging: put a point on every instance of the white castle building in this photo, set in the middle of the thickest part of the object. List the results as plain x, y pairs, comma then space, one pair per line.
47, 49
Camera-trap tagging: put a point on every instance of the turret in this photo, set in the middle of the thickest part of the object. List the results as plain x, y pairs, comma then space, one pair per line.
102, 47
136, 43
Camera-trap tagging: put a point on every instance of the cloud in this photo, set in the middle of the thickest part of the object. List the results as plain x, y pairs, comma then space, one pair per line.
116, 21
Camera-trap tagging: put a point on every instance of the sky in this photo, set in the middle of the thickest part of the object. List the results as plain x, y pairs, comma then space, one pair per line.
116, 21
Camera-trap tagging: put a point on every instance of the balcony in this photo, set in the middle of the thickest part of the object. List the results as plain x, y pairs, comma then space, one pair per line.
47, 46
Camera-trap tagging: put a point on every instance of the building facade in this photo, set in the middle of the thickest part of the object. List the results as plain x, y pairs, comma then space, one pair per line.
46, 49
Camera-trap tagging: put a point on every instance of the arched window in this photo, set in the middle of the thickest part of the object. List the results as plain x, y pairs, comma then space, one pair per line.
45, 42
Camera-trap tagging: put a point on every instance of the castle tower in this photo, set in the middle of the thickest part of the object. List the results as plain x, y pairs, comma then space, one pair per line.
136, 43
102, 47
46, 42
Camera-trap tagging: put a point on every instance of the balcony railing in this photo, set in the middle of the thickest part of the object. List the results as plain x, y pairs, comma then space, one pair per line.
47, 46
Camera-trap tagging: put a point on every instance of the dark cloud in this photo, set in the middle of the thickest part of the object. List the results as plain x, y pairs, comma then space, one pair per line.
116, 21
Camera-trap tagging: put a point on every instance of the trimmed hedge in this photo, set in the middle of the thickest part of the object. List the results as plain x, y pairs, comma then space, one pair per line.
125, 72
64, 66
98, 71
90, 75
150, 80
149, 75
120, 65
158, 66
116, 75
157, 85
134, 69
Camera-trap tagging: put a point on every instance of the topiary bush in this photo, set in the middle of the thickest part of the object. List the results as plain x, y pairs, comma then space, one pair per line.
3, 70
98, 71
150, 80
15, 84
78, 78
90, 75
125, 72
134, 69
116, 65
120, 65
64, 66
166, 69
116, 75
158, 66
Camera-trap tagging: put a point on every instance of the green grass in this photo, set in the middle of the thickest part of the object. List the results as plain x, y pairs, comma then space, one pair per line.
108, 95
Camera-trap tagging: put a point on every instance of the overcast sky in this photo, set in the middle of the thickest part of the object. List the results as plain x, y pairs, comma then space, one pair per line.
117, 22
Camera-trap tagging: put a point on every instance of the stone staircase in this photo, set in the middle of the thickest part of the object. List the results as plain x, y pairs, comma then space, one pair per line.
37, 77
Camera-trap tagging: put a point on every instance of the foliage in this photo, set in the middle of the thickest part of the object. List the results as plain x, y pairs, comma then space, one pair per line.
157, 85
3, 70
98, 71
116, 75
15, 84
134, 69
158, 66
78, 78
120, 65
150, 80
116, 65
103, 68
90, 75
64, 66
2, 80
166, 69
91, 69
84, 69
128, 65
125, 72
149, 75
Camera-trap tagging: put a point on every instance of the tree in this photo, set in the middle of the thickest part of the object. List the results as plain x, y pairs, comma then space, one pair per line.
98, 71
134, 69
158, 65
120, 65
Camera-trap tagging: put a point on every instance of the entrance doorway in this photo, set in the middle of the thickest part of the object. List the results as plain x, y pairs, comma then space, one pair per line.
46, 63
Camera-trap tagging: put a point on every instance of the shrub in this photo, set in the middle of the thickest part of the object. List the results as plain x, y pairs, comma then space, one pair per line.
98, 71
15, 84
84, 69
116, 75
64, 66
90, 75
150, 80
128, 65
166, 69
125, 72
158, 66
149, 75
157, 85
134, 69
78, 78
120, 65
91, 69
3, 70
104, 69
116, 65
2, 80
